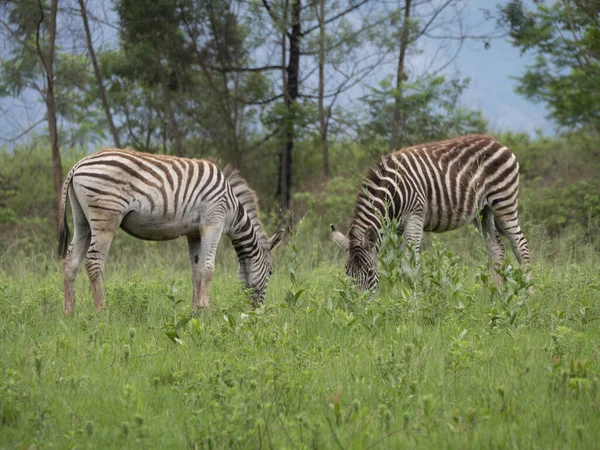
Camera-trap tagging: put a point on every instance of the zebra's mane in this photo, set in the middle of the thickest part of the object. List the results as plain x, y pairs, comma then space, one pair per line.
372, 175
246, 196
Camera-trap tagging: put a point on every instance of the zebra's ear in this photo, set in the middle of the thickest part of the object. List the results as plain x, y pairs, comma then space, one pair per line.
370, 239
339, 238
275, 239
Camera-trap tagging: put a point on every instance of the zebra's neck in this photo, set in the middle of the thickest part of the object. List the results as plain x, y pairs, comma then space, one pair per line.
369, 212
384, 195
245, 235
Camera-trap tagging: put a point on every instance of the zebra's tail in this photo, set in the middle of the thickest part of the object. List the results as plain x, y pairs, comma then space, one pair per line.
63, 224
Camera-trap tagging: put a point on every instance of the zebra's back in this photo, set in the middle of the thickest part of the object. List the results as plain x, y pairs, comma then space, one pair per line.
159, 197
450, 181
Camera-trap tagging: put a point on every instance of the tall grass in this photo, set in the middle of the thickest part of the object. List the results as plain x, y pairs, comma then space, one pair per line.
438, 359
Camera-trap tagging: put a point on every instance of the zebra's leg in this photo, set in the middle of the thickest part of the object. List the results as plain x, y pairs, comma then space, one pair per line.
202, 256
413, 233
507, 222
75, 255
96, 256
493, 243
194, 250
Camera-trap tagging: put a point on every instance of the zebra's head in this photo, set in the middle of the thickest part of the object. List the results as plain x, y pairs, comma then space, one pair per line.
256, 270
361, 262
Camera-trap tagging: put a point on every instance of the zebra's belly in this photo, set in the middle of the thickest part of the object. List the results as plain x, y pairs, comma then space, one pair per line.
153, 228
441, 223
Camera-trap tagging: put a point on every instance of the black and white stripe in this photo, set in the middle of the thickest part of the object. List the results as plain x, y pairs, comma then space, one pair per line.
437, 187
158, 197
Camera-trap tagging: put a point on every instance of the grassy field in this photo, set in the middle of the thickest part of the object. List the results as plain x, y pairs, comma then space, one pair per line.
438, 359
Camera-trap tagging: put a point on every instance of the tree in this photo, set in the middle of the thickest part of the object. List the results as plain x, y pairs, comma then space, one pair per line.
430, 108
323, 116
345, 57
564, 36
32, 65
47, 58
409, 24
98, 75
228, 90
294, 22
135, 100
154, 44
400, 76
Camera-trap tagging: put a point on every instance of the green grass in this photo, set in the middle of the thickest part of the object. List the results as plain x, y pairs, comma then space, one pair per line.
437, 360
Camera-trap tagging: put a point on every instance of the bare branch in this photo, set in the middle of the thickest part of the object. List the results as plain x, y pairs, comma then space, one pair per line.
351, 35
15, 36
331, 19
91, 16
432, 19
259, 102
246, 69
276, 20
263, 140
27, 130
467, 36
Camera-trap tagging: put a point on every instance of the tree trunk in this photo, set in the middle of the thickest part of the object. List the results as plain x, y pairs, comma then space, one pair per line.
173, 130
48, 63
322, 118
230, 106
101, 89
400, 78
290, 94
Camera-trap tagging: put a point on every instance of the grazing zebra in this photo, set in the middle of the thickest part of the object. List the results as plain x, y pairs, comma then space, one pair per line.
158, 197
437, 187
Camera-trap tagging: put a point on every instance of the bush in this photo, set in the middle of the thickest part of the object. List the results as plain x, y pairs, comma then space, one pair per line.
561, 207
27, 189
560, 182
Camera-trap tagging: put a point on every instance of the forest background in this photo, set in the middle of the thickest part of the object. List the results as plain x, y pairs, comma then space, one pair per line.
301, 96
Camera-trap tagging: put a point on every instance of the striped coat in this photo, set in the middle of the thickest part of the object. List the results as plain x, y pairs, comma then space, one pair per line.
158, 197
437, 187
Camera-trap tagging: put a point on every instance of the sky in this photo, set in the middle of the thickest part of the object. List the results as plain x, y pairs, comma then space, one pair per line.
491, 90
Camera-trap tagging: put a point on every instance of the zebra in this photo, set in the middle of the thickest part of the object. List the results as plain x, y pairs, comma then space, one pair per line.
159, 198
437, 187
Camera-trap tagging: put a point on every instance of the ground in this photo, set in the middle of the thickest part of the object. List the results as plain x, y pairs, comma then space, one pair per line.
439, 358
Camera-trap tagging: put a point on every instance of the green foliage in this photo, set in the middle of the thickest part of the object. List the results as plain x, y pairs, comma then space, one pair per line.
332, 203
444, 283
22, 71
565, 39
24, 64
461, 355
397, 261
430, 285
576, 203
292, 296
430, 110
28, 194
175, 48
421, 362
129, 300
10, 399
510, 300
571, 375
409, 367
560, 185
